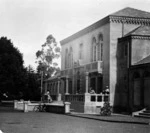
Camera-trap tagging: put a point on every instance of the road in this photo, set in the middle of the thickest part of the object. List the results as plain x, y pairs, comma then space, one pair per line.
41, 122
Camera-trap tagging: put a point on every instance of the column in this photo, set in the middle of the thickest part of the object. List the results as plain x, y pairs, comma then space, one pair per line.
58, 91
55, 87
96, 89
87, 82
52, 88
45, 86
58, 86
67, 85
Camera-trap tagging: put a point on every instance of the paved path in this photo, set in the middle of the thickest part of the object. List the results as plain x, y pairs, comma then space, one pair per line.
117, 118
36, 122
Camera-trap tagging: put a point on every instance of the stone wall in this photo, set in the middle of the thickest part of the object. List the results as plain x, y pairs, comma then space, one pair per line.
117, 30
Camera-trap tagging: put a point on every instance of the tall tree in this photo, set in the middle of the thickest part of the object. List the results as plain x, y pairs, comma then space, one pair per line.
46, 57
11, 68
32, 90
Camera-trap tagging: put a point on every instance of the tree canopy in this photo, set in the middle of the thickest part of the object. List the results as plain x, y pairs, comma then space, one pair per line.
11, 68
46, 57
32, 90
16, 81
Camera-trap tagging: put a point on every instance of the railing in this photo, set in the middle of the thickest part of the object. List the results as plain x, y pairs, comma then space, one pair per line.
91, 67
71, 98
93, 97
54, 97
94, 67
99, 98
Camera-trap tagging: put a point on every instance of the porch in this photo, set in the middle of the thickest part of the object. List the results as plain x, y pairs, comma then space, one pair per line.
73, 85
86, 103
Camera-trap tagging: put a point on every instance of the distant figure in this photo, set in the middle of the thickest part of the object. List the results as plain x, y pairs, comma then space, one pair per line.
91, 91
49, 97
106, 91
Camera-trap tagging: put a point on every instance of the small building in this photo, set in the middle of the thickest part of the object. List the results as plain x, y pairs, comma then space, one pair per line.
113, 54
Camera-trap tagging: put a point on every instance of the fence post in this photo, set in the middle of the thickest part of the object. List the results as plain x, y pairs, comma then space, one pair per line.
67, 107
102, 97
15, 104
25, 106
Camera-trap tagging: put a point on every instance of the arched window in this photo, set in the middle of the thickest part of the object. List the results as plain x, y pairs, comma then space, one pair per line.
100, 47
66, 58
70, 57
94, 49
81, 51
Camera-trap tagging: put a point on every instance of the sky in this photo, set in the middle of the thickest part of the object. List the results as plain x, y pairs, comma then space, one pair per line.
28, 22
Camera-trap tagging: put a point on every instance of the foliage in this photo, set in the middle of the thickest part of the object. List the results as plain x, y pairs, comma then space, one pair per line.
11, 69
32, 91
106, 109
16, 81
46, 56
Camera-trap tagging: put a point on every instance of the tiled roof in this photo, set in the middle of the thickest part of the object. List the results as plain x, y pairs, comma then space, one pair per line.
143, 61
131, 12
141, 31
124, 13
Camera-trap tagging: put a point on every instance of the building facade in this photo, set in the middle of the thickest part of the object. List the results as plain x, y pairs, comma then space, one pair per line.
106, 55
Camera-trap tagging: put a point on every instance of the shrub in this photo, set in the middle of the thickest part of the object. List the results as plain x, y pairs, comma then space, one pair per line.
106, 109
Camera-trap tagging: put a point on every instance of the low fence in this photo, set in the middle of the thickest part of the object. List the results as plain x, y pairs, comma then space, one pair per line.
27, 106
99, 97
91, 97
58, 108
87, 103
74, 98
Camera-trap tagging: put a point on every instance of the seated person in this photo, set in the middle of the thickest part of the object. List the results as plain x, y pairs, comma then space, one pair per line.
91, 91
49, 97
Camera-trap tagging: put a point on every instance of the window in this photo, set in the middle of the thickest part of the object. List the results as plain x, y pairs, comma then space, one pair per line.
66, 58
81, 51
70, 57
101, 57
93, 49
100, 47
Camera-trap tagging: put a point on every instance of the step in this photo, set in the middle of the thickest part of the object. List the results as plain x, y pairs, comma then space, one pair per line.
146, 111
142, 116
146, 114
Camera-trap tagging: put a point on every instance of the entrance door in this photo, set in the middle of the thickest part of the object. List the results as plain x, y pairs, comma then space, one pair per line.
137, 100
99, 84
70, 87
147, 92
93, 83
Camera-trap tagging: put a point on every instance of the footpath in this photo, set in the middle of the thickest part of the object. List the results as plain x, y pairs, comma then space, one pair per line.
117, 118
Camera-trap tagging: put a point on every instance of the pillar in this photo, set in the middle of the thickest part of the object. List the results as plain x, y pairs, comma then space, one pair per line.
51, 85
45, 87
25, 106
87, 82
58, 92
58, 86
67, 85
67, 107
15, 104
52, 88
